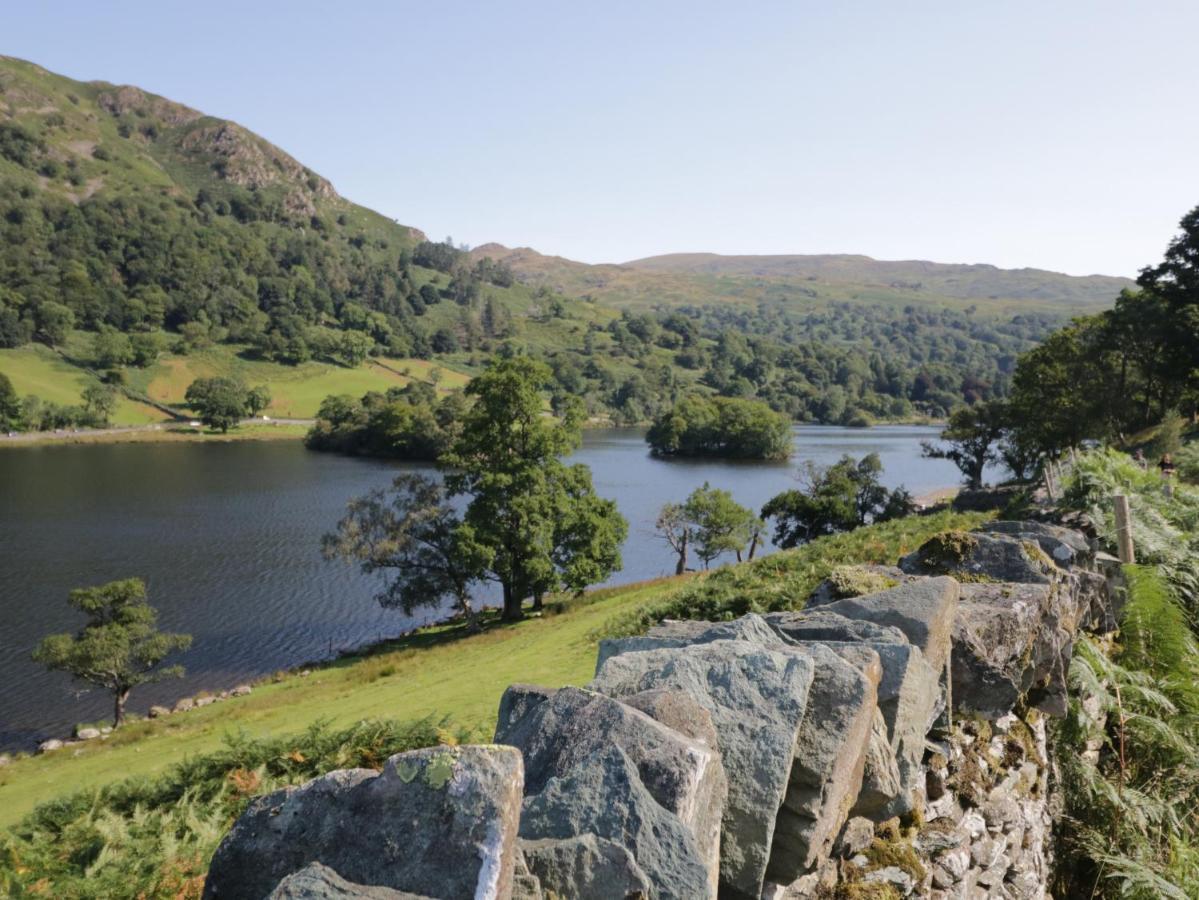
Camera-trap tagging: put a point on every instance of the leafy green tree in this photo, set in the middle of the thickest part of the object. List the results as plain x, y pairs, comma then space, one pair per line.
54, 322
413, 538
119, 647
721, 524
971, 440
257, 399
99, 401
111, 349
840, 497
588, 533
220, 402
11, 418
146, 348
507, 461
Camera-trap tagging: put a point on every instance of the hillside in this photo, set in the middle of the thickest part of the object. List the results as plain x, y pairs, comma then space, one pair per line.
123, 213
811, 281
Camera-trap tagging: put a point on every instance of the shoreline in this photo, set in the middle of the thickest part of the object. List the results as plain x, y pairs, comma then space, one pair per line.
162, 432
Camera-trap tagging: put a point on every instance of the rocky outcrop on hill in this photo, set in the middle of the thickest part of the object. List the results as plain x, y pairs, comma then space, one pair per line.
890, 744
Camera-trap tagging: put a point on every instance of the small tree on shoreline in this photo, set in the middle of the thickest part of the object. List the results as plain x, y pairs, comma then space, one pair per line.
119, 647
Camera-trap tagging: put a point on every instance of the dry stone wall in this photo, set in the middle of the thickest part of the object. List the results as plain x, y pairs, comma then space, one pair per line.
887, 741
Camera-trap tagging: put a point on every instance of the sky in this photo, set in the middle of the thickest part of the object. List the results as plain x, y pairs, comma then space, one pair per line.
1058, 135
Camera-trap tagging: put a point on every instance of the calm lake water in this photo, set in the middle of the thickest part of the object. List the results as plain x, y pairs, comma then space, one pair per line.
226, 537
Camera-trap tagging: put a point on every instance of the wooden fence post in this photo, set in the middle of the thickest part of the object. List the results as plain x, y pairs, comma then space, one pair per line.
1124, 531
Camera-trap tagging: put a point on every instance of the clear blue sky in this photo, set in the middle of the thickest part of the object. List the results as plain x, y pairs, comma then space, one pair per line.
1058, 134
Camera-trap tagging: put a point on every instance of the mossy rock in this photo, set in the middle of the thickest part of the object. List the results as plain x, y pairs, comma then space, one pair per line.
948, 550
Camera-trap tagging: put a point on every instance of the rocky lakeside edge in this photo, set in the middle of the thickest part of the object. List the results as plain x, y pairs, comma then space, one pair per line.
887, 740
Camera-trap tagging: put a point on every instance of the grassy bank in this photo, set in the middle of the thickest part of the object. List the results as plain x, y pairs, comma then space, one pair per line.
442, 672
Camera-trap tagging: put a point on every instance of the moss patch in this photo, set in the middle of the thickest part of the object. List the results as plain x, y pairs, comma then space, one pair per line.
883, 853
856, 581
948, 550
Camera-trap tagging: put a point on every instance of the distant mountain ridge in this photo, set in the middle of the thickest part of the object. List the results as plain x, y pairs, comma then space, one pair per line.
875, 280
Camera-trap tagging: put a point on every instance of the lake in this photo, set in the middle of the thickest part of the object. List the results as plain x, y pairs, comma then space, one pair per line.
226, 536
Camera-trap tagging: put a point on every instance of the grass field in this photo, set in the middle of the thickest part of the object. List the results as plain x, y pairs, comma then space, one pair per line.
34, 369
296, 391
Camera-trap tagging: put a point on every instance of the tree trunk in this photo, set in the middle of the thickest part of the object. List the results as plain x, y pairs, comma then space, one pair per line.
753, 546
118, 712
538, 599
472, 617
512, 603
681, 567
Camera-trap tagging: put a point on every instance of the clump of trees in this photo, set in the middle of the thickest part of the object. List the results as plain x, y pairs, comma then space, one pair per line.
119, 647
1122, 370
222, 402
723, 427
840, 497
709, 522
530, 523
410, 422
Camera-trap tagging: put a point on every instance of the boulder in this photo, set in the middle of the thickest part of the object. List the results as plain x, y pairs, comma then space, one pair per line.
682, 633
439, 822
923, 609
157, 712
585, 868
757, 697
5, 760
566, 731
185, 704
981, 558
605, 797
516, 703
1013, 642
48, 746
830, 756
241, 690
317, 882
86, 734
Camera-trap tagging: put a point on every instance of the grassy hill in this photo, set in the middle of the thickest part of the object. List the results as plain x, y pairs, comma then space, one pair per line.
811, 281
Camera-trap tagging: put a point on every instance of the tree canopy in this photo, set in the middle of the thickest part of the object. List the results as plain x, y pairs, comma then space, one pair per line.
222, 402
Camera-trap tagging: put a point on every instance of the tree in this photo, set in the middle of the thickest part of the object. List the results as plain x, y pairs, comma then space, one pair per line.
222, 402
99, 400
119, 647
677, 529
588, 533
710, 522
721, 524
415, 539
840, 497
11, 418
257, 399
111, 349
506, 460
971, 435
